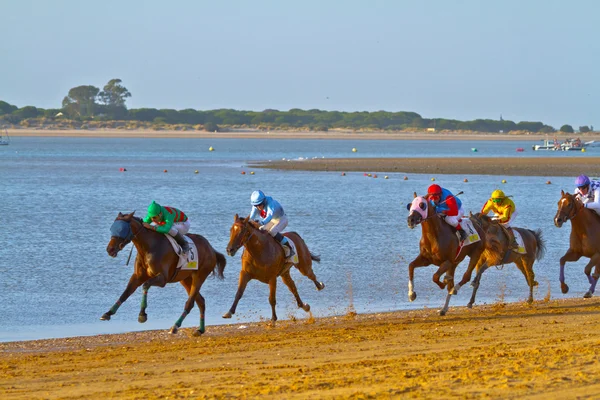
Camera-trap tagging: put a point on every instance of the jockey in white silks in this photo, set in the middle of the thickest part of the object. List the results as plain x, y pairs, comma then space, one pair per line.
588, 191
270, 215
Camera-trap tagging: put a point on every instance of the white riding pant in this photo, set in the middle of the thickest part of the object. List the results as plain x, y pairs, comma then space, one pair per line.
183, 227
454, 220
509, 223
275, 226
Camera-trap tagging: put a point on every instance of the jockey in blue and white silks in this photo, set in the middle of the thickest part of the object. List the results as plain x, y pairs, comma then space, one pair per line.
270, 215
588, 192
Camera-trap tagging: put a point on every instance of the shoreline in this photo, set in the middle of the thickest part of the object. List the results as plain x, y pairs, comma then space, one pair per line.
507, 166
255, 134
545, 350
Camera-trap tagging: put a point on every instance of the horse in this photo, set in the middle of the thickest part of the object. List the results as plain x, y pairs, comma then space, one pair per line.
156, 265
439, 246
264, 259
584, 240
497, 251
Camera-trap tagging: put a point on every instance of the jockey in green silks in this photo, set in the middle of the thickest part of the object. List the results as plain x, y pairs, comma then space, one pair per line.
168, 220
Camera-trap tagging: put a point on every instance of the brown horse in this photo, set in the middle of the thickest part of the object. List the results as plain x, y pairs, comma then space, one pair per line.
438, 246
498, 252
584, 240
264, 259
156, 265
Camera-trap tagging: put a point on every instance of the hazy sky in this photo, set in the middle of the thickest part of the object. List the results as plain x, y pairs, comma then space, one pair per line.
528, 60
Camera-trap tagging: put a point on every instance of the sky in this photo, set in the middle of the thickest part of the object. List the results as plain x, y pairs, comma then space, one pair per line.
522, 60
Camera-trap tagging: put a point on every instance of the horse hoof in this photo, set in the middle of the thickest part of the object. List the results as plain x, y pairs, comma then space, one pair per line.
564, 288
530, 300
142, 318
535, 283
587, 295
470, 305
306, 307
105, 317
412, 296
173, 330
320, 286
228, 314
197, 332
454, 291
442, 313
473, 284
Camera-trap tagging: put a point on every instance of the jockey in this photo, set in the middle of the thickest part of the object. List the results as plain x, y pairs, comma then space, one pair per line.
270, 215
505, 212
588, 192
449, 206
168, 220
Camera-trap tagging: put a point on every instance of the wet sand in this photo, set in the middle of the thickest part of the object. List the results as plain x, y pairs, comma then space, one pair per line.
545, 351
542, 166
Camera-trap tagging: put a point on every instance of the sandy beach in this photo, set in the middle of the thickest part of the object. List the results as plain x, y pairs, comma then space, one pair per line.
539, 166
545, 351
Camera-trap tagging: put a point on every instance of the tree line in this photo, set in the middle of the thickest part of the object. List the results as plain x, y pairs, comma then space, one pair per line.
89, 103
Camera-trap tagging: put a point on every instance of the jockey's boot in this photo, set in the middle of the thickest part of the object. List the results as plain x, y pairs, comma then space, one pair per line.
185, 247
514, 245
287, 247
462, 233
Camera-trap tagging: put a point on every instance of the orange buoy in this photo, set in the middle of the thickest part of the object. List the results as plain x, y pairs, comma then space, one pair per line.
165, 170
465, 180
243, 172
375, 176
548, 183
406, 178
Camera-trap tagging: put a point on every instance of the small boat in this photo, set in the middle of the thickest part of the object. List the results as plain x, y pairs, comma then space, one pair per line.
573, 145
551, 145
4, 138
520, 149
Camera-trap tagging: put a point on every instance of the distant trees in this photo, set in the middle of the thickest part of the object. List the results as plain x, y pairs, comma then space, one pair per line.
113, 97
81, 101
567, 128
86, 101
584, 129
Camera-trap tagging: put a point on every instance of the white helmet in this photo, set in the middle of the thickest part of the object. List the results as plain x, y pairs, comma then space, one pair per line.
257, 197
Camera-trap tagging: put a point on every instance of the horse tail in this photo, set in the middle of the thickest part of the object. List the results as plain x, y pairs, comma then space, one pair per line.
221, 263
541, 244
315, 257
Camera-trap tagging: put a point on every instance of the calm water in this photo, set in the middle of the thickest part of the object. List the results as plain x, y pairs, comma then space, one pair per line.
60, 196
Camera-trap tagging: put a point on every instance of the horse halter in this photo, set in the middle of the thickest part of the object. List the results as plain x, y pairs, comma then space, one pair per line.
573, 208
245, 228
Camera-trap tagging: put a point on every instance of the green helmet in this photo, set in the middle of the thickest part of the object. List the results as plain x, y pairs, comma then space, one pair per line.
154, 209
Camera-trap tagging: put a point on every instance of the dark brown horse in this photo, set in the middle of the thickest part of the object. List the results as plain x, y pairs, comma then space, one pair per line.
498, 252
263, 259
584, 240
439, 246
156, 265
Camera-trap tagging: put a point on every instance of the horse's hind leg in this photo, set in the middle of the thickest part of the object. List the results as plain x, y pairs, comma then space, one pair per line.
593, 280
476, 284
526, 267
196, 282
272, 297
287, 279
200, 302
244, 279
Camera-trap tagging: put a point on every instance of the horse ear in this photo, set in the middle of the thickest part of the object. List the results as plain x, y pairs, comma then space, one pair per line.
120, 215
562, 192
235, 218
415, 194
470, 214
130, 215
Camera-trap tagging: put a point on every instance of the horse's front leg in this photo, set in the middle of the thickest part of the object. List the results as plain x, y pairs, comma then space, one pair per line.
244, 279
272, 298
134, 282
289, 282
570, 256
593, 280
420, 261
143, 317
480, 270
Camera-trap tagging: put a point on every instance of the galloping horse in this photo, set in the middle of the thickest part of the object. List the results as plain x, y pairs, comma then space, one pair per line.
156, 265
497, 251
439, 246
263, 259
584, 240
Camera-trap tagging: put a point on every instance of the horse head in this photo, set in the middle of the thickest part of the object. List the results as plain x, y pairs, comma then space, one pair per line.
241, 230
419, 210
120, 234
568, 206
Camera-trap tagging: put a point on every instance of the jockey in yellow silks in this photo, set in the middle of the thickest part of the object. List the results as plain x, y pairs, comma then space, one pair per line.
505, 212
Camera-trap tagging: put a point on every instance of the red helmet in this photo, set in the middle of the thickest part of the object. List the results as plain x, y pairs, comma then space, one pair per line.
434, 190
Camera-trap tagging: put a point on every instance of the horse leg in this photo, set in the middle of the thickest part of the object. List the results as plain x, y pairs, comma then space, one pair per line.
134, 282
441, 270
287, 279
189, 304
526, 268
594, 260
449, 279
244, 279
309, 273
420, 261
569, 256
143, 317
476, 281
272, 297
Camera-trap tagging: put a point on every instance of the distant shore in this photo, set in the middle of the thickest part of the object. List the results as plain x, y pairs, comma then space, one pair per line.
538, 166
257, 134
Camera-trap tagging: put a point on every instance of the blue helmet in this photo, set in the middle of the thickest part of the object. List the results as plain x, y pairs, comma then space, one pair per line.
257, 197
582, 180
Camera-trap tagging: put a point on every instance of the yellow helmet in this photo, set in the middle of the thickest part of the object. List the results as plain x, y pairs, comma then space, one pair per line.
498, 194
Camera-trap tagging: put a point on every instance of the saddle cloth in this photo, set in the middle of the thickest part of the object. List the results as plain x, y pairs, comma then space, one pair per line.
189, 261
472, 235
519, 239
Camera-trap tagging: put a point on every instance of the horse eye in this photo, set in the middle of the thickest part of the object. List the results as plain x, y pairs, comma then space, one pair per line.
422, 206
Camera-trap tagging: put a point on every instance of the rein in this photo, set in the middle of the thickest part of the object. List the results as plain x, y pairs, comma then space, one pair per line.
575, 209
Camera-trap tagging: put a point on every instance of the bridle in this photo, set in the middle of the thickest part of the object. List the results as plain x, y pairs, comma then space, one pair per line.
573, 209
